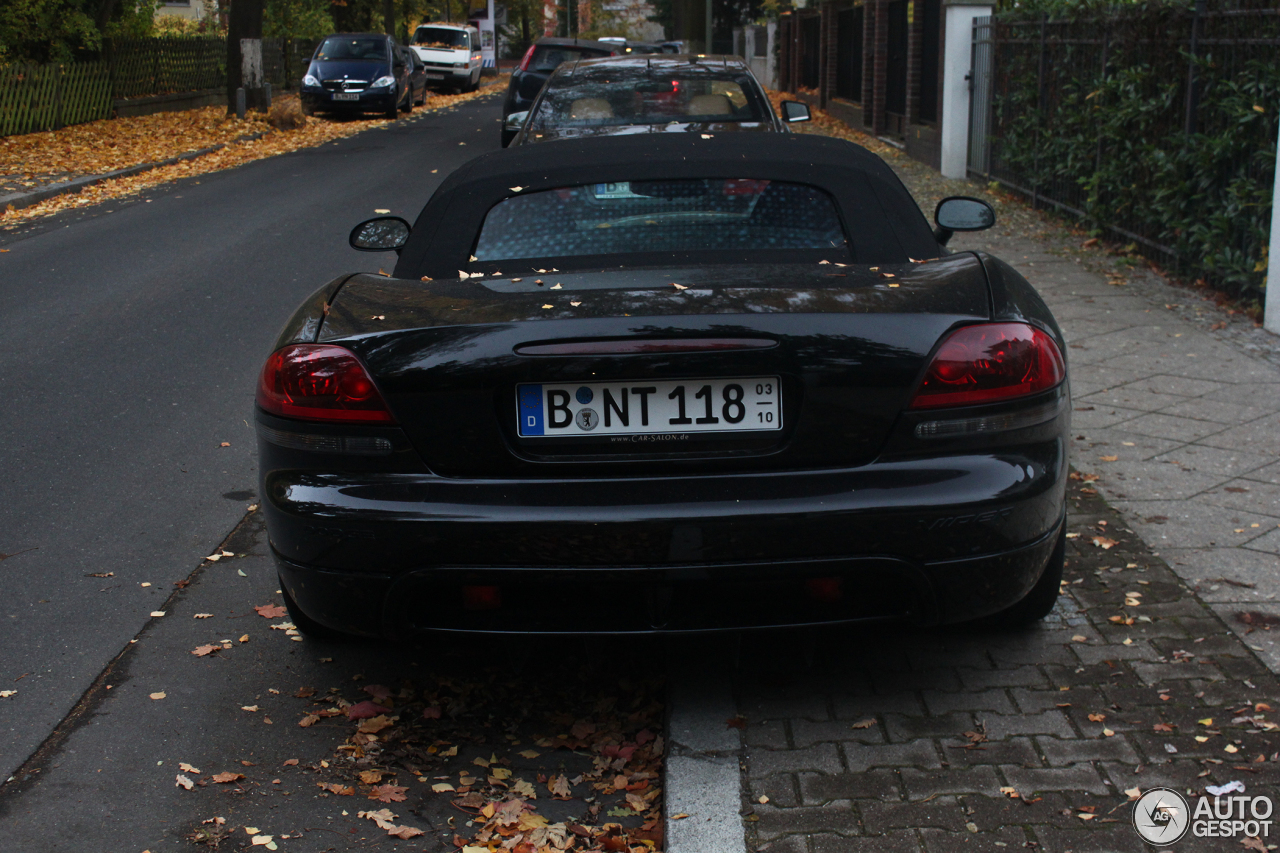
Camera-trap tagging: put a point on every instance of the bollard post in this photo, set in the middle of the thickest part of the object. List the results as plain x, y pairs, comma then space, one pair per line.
1271, 296
240, 108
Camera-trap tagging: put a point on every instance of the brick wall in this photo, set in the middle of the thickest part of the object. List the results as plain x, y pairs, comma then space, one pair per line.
879, 66
914, 44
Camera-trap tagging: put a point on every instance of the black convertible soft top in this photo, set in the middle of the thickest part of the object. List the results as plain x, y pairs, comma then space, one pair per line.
884, 223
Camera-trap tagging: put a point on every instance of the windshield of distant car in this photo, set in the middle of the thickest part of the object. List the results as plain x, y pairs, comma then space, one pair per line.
352, 48
547, 57
687, 215
620, 95
440, 37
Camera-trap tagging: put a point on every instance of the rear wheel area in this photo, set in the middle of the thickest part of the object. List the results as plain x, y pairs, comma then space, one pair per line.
309, 627
1039, 602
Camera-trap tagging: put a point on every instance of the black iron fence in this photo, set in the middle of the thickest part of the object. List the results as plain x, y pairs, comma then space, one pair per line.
1157, 125
46, 97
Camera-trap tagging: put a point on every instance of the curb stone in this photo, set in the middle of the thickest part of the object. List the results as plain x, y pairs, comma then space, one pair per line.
20, 200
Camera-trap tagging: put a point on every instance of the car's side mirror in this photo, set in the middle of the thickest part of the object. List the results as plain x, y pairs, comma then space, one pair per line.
515, 121
384, 234
793, 111
961, 213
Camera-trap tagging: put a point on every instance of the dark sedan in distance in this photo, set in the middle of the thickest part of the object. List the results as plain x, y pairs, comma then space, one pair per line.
667, 383
651, 94
359, 72
543, 57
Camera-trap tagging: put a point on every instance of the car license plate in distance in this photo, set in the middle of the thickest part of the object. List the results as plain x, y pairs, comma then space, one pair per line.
621, 189
746, 404
435, 76
346, 96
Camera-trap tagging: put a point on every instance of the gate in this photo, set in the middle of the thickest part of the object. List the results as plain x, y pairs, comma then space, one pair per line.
980, 87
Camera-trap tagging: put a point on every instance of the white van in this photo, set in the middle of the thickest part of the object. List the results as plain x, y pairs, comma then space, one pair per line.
451, 53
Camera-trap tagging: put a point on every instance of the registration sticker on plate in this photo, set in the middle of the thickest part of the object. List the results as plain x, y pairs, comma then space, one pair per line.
346, 96
749, 404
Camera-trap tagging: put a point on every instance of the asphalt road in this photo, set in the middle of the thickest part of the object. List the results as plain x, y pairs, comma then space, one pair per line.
130, 339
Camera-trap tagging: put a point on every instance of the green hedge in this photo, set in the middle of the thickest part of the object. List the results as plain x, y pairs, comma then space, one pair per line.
1113, 143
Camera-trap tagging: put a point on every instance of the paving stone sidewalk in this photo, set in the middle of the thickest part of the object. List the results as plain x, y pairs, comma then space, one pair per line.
914, 741
1176, 444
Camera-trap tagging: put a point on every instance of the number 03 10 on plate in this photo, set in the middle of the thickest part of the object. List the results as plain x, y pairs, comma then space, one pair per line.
643, 408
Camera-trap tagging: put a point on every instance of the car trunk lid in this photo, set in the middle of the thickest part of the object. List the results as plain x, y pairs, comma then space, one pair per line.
846, 344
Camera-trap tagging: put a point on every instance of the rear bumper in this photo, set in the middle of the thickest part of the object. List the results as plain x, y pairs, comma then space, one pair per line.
672, 599
935, 541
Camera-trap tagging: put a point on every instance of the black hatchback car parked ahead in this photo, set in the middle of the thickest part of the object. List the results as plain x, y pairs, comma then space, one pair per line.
362, 72
662, 382
651, 94
543, 57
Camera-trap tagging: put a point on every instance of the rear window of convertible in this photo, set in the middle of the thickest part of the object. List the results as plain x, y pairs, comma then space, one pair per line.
688, 215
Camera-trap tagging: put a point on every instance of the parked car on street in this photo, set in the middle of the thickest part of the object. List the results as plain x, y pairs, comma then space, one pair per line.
543, 57
665, 383
650, 94
451, 53
417, 77
357, 72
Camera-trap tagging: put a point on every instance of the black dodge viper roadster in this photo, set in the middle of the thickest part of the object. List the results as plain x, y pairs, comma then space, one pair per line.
667, 383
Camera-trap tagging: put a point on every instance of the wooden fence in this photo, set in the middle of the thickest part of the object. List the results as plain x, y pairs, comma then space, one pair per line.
46, 97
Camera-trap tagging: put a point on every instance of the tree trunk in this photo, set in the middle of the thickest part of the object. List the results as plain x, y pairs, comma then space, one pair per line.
105, 10
245, 24
389, 17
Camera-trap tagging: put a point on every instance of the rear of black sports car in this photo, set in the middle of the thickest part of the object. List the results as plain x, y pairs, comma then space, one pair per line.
681, 447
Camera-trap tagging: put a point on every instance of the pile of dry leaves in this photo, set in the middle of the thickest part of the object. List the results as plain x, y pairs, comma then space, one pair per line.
105, 146
498, 763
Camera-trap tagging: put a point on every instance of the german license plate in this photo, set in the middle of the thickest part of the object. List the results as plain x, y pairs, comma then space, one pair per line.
748, 404
622, 189
435, 76
346, 96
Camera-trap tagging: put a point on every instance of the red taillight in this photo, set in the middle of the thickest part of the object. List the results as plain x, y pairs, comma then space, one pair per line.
988, 364
528, 57
482, 597
320, 383
825, 590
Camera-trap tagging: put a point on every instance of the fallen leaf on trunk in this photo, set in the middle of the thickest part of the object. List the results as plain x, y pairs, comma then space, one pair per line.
308, 720
208, 649
184, 782
227, 777
371, 777
188, 768
405, 832
271, 611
